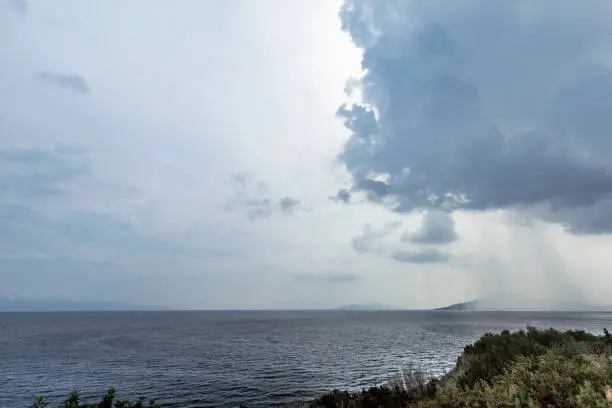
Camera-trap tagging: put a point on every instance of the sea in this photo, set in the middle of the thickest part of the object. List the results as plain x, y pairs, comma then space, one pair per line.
221, 359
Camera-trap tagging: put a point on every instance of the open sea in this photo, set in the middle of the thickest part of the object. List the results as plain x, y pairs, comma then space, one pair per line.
220, 359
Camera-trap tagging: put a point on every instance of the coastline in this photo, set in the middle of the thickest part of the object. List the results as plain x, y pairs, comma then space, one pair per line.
531, 367
543, 368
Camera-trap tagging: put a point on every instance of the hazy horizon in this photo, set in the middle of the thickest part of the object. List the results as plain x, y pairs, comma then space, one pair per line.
512, 303
300, 155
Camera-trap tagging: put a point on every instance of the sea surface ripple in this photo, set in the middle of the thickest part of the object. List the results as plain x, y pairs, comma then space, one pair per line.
222, 359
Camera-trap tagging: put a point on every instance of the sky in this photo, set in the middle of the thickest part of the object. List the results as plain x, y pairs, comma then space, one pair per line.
273, 154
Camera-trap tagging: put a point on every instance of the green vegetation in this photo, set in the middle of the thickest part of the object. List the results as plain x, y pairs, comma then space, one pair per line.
108, 401
527, 368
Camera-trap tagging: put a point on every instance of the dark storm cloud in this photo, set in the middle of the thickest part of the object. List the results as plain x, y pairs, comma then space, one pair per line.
33, 173
483, 105
595, 219
69, 82
437, 227
251, 197
423, 256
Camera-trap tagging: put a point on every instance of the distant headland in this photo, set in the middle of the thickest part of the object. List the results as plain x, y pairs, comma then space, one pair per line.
496, 303
522, 303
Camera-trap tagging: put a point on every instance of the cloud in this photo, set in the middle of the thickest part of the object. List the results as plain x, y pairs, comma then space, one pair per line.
382, 241
251, 197
288, 204
19, 7
257, 208
35, 172
102, 230
437, 227
423, 256
43, 206
247, 182
481, 106
372, 239
90, 235
332, 277
21, 228
342, 195
592, 220
69, 82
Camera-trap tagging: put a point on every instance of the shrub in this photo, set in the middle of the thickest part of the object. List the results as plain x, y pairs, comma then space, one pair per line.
492, 353
528, 368
108, 401
552, 379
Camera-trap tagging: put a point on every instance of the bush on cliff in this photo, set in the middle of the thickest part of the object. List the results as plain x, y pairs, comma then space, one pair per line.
527, 368
489, 356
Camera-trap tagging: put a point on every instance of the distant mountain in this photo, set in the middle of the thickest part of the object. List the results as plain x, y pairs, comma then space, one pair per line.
520, 303
471, 305
59, 305
369, 306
